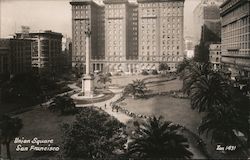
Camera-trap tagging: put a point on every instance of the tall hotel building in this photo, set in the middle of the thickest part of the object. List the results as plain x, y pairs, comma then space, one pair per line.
207, 14
236, 37
160, 32
87, 14
128, 37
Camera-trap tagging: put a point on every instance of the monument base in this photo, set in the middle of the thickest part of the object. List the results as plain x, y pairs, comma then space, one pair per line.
88, 86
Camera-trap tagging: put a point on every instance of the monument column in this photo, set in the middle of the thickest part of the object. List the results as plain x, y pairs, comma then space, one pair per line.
88, 79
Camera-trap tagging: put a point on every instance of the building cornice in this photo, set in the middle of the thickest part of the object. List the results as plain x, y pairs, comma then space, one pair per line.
234, 4
83, 2
148, 1
44, 33
115, 1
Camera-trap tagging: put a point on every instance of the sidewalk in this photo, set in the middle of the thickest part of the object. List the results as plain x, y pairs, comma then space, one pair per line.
118, 115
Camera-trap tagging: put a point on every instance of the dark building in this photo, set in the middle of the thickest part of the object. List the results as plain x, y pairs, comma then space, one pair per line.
15, 55
207, 17
46, 51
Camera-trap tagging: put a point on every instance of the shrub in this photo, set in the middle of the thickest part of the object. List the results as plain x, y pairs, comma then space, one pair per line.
63, 104
144, 73
154, 72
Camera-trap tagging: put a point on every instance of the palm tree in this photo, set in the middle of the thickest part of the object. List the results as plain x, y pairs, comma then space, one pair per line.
185, 64
63, 104
208, 91
9, 129
137, 88
193, 72
224, 123
104, 78
158, 139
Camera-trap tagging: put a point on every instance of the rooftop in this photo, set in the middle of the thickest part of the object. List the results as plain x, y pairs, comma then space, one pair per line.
146, 1
114, 1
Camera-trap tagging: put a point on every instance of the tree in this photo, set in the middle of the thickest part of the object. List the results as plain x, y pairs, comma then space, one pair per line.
193, 73
104, 79
163, 67
224, 123
94, 135
185, 64
209, 91
158, 139
63, 104
145, 73
23, 89
154, 72
9, 129
137, 88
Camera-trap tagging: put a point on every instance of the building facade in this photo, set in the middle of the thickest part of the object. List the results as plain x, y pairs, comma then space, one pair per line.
207, 15
87, 14
138, 36
66, 53
15, 56
46, 51
161, 33
236, 37
215, 56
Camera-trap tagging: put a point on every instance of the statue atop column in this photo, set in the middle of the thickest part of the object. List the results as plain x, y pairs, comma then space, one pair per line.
88, 79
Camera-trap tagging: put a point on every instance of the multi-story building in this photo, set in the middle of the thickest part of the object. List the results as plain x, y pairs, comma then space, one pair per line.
215, 56
121, 36
189, 47
160, 33
47, 50
66, 53
138, 36
86, 14
236, 37
15, 55
207, 16
4, 57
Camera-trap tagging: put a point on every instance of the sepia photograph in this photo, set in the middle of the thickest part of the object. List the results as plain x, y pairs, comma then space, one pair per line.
124, 79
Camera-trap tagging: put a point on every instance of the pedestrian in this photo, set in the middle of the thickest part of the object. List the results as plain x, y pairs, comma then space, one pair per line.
105, 106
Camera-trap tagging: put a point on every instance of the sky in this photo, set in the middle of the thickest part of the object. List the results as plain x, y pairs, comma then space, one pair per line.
55, 15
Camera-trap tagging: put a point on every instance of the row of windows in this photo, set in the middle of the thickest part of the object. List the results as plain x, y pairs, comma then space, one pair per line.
115, 5
245, 45
164, 53
241, 9
161, 4
81, 6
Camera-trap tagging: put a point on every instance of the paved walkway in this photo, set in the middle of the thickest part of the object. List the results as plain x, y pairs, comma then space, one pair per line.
118, 115
124, 118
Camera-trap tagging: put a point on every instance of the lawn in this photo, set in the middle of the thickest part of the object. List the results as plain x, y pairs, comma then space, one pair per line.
40, 123
172, 109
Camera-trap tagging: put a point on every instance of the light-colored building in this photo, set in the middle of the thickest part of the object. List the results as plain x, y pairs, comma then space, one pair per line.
215, 56
236, 37
189, 47
160, 33
87, 14
15, 56
138, 36
47, 50
207, 14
